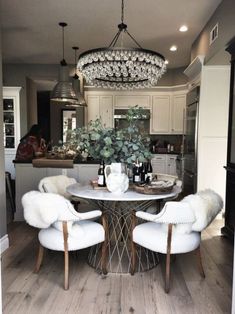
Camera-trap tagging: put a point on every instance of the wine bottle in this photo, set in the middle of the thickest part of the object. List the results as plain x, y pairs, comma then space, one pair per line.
142, 173
136, 173
101, 176
149, 171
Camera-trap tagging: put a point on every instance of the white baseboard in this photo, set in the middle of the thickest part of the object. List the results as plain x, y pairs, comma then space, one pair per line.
4, 243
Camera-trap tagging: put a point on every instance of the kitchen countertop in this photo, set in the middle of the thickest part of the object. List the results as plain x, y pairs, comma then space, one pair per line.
170, 153
75, 161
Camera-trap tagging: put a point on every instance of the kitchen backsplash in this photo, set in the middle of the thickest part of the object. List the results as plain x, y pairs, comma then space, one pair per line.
166, 143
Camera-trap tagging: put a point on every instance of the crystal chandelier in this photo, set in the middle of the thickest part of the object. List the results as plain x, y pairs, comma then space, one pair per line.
63, 90
121, 67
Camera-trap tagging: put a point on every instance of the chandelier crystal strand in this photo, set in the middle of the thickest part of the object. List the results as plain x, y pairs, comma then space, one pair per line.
122, 67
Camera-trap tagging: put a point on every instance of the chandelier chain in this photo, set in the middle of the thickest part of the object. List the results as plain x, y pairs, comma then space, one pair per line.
63, 42
122, 18
135, 41
63, 25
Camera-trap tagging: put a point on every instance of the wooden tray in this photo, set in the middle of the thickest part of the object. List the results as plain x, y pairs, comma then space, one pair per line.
95, 186
153, 190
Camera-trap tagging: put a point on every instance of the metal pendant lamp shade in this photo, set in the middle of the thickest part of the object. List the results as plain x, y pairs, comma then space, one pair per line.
63, 90
121, 67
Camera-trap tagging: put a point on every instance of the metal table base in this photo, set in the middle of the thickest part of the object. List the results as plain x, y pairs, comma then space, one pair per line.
118, 215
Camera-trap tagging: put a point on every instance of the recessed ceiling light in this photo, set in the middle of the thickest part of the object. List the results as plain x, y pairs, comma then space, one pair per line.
173, 48
183, 28
166, 62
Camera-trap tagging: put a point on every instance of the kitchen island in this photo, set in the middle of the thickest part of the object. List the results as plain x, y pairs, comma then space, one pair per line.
28, 177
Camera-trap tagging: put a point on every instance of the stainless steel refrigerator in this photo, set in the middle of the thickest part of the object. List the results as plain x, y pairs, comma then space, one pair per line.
190, 142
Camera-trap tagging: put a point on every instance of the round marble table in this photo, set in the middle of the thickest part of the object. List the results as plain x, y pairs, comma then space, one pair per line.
118, 210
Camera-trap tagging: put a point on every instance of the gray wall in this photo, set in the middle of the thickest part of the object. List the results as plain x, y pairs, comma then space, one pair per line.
173, 77
3, 224
215, 54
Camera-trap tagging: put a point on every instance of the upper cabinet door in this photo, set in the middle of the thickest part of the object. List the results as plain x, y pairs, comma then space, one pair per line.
177, 113
160, 119
106, 110
93, 106
127, 101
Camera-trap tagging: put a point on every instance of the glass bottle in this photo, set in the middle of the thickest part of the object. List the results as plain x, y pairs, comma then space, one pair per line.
136, 172
101, 176
149, 171
142, 172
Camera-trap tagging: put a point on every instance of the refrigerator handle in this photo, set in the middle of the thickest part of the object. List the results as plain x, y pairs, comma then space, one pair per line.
229, 169
188, 174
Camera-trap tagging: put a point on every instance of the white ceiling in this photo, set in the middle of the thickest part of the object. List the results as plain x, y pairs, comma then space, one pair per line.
30, 31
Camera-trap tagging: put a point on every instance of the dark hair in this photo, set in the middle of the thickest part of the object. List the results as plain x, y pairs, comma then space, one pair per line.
35, 130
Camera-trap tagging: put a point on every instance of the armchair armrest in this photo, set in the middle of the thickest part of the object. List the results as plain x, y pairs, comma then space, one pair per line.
90, 215
145, 216
172, 213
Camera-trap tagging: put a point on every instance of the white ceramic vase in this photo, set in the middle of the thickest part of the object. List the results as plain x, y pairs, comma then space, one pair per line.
116, 179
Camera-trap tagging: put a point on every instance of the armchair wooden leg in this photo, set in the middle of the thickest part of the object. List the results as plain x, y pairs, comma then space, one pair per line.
199, 261
168, 259
39, 258
66, 256
133, 245
168, 268
104, 246
66, 270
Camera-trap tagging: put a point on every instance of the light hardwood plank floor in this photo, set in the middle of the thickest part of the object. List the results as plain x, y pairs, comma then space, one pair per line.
91, 293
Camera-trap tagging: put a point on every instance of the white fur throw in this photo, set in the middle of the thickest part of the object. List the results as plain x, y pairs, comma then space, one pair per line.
43, 209
205, 205
194, 213
56, 184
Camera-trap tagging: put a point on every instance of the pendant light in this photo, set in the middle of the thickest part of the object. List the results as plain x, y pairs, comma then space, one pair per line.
63, 90
122, 67
76, 83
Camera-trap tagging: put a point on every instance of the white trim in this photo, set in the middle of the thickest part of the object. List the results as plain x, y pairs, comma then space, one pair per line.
4, 243
195, 67
89, 88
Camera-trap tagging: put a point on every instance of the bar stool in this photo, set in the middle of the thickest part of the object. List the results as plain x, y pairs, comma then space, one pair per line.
9, 192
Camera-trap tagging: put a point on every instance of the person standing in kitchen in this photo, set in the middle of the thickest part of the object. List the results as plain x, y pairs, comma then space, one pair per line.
31, 144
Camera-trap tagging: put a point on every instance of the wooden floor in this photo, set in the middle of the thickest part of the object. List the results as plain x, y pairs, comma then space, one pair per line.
91, 293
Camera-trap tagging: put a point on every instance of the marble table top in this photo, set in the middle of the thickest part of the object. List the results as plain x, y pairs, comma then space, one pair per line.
88, 192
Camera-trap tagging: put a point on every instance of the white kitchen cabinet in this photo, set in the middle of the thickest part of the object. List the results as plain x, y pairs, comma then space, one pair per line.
159, 163
166, 106
93, 104
100, 106
168, 114
11, 125
177, 113
106, 110
127, 101
87, 172
171, 165
164, 163
160, 118
27, 179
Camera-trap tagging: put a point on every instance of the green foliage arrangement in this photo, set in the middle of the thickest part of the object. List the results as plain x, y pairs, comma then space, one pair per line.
107, 144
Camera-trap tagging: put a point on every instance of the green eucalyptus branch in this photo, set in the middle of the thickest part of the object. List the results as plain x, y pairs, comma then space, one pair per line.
112, 145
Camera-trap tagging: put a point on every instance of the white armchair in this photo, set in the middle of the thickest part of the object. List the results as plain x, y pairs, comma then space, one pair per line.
58, 184
62, 228
177, 228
